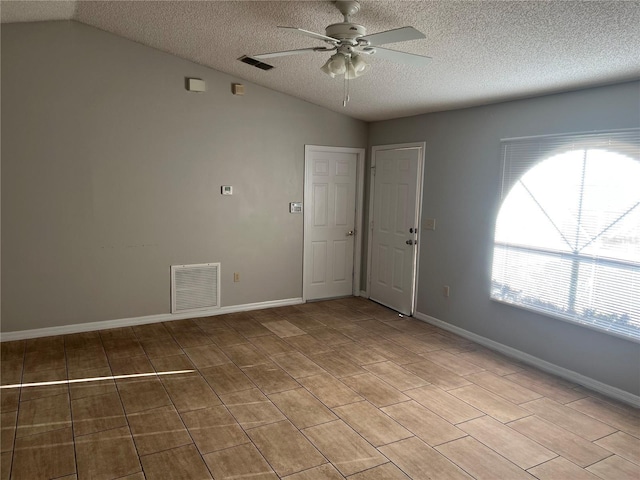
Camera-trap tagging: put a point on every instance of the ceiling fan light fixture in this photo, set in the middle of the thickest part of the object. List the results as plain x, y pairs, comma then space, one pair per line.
351, 66
336, 65
325, 69
356, 67
351, 43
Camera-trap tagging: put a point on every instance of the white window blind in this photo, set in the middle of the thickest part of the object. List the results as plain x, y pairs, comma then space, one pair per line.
567, 240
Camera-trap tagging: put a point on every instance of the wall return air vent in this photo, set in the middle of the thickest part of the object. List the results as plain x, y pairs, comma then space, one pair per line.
195, 287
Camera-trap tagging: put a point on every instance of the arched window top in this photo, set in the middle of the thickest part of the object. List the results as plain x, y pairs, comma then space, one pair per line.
520, 155
567, 240
580, 201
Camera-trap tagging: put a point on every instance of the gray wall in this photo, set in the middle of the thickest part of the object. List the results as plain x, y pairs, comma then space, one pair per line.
461, 186
111, 172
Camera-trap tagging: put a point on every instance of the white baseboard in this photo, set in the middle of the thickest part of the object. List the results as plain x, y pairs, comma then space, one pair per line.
128, 322
562, 372
364, 294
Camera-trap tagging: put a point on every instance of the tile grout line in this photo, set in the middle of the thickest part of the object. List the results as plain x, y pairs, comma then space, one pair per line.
336, 310
246, 431
15, 434
73, 429
175, 409
125, 414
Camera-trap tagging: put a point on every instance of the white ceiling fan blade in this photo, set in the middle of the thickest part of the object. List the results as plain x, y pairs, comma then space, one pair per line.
285, 53
317, 36
392, 36
399, 57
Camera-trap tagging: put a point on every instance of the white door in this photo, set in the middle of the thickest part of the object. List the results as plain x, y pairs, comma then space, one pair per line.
330, 221
397, 180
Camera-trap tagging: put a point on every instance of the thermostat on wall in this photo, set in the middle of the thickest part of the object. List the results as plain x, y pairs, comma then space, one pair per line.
295, 207
226, 190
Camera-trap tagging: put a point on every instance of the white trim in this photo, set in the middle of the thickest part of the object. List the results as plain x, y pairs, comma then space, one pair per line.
569, 134
562, 372
419, 197
364, 294
128, 322
359, 220
422, 146
372, 188
359, 214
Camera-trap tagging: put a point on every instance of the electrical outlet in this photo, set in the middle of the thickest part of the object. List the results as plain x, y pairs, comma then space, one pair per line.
236, 277
445, 291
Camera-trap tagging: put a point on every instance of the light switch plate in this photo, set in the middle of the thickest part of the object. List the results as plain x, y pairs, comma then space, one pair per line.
226, 190
429, 224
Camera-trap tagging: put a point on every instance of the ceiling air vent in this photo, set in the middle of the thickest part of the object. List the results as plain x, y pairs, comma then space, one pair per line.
195, 287
255, 63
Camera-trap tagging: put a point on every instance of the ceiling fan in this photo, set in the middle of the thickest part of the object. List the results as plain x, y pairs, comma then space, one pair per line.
351, 43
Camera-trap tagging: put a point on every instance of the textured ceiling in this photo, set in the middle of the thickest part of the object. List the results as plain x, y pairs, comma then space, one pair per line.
483, 51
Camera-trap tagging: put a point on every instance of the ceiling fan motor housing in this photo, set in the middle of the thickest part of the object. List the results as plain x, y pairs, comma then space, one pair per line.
346, 32
350, 43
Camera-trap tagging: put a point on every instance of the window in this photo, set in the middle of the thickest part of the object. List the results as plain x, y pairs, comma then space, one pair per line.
567, 240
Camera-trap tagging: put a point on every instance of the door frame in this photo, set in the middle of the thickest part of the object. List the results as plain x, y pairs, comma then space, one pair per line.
358, 225
372, 186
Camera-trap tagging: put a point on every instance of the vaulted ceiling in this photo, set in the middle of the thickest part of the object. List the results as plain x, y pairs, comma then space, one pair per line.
483, 51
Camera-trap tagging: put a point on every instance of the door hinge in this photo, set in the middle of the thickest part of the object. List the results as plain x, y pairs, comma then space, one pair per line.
373, 169
371, 226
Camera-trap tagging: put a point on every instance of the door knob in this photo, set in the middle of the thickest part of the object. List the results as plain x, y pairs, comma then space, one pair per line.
351, 233
410, 242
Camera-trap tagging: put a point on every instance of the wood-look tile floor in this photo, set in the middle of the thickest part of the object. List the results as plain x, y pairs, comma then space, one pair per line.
328, 390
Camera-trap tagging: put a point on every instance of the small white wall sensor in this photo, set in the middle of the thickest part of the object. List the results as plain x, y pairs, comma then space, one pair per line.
226, 190
295, 207
196, 85
237, 89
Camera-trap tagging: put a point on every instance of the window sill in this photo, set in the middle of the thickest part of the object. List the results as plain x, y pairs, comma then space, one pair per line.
635, 339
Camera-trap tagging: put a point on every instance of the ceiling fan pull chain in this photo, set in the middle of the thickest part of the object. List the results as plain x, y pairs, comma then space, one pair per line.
345, 96
349, 78
346, 82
